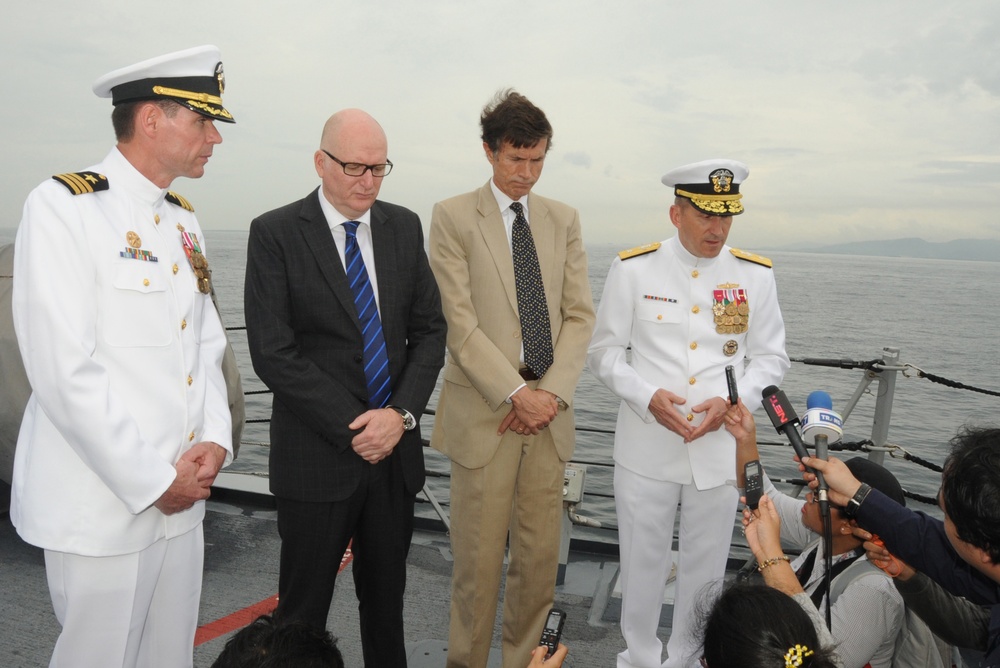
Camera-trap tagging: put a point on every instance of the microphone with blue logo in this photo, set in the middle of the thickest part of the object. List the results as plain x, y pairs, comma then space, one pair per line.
821, 420
822, 425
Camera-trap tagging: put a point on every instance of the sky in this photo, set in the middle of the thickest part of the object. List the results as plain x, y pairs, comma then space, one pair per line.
859, 120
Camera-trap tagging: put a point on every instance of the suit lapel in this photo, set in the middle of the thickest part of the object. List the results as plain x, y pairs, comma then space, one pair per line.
386, 267
543, 232
495, 235
319, 240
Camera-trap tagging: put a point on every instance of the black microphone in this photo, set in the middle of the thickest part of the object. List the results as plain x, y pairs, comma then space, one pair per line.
783, 417
823, 492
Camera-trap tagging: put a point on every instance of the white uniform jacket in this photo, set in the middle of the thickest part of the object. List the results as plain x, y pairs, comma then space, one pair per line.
123, 354
660, 305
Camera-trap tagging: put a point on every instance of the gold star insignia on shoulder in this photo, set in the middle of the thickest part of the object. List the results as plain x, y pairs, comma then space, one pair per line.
751, 257
81, 183
639, 250
174, 198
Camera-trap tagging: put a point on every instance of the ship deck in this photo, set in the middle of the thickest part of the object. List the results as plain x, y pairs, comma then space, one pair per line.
241, 575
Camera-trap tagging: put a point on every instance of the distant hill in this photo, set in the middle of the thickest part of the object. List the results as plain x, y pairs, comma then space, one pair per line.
985, 250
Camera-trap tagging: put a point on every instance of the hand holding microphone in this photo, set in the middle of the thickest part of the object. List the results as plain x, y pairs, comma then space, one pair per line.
819, 420
824, 426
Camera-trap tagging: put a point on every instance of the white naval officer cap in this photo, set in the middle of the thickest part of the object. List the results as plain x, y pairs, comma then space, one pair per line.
713, 186
192, 78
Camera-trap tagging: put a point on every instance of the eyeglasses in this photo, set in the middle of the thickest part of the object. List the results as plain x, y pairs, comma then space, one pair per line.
358, 169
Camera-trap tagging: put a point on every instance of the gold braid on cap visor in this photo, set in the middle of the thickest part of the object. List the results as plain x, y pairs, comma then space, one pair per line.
197, 100
186, 94
718, 204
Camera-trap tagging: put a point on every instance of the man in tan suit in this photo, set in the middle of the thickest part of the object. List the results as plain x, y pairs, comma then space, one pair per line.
512, 272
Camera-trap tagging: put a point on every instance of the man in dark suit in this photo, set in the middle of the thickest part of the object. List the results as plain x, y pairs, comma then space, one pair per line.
344, 325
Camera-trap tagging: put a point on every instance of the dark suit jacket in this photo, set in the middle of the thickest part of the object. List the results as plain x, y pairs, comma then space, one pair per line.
305, 342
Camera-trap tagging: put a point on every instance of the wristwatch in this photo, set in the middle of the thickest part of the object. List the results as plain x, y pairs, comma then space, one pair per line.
408, 421
854, 504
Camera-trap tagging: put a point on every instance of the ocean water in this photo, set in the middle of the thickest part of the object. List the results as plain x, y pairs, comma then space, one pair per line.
937, 313
933, 311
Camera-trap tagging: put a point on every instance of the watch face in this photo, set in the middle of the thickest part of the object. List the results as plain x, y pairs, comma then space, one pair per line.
408, 421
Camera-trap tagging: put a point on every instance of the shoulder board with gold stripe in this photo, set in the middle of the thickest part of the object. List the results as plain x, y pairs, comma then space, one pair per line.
174, 198
80, 183
751, 257
639, 250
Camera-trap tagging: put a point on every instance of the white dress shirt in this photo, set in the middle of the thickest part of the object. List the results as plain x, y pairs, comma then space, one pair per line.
336, 221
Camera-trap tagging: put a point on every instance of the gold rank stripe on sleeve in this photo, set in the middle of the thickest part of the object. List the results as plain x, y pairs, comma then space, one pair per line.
174, 198
81, 183
639, 250
751, 257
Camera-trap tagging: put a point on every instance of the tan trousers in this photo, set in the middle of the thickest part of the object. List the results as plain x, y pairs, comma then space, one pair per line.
520, 490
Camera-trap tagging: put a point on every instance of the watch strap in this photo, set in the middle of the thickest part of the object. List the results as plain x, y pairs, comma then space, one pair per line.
854, 504
409, 422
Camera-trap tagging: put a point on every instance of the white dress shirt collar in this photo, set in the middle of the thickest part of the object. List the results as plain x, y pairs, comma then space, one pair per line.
335, 218
504, 202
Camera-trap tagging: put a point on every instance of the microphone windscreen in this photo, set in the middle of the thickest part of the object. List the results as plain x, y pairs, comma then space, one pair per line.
819, 399
821, 419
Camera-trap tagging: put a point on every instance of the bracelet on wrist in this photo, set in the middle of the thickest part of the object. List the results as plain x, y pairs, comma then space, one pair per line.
767, 563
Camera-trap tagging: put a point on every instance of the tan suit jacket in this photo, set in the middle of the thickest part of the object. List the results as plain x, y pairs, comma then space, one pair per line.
471, 260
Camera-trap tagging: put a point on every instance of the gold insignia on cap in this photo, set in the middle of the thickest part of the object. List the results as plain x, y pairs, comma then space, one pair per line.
639, 250
133, 239
751, 257
81, 183
722, 180
220, 76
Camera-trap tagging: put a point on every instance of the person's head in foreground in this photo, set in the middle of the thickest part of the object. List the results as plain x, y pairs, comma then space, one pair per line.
270, 643
755, 626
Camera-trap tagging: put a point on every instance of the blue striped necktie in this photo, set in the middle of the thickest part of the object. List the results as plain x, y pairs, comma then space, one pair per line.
376, 357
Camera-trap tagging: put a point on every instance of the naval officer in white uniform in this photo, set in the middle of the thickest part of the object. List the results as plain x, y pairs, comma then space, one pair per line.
687, 308
128, 421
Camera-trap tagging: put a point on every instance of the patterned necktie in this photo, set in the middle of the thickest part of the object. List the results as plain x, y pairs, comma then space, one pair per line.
533, 311
376, 358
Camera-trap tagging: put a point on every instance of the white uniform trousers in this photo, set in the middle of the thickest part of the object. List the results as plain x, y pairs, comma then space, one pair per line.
132, 610
646, 510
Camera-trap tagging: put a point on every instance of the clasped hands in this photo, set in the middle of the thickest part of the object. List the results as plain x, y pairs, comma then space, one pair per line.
195, 473
664, 405
531, 411
381, 429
